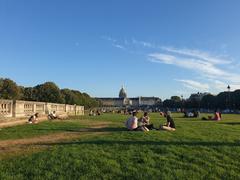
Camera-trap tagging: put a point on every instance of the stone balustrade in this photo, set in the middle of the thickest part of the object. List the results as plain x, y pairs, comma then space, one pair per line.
10, 108
6, 108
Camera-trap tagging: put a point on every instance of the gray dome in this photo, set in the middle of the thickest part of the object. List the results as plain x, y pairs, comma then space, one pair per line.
122, 93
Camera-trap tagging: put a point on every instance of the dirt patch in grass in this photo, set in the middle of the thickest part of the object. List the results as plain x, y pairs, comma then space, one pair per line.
9, 148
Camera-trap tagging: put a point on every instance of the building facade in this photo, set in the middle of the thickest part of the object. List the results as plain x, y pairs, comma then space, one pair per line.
124, 101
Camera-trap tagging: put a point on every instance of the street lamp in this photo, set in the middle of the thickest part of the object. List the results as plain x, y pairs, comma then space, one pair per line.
229, 104
181, 103
228, 88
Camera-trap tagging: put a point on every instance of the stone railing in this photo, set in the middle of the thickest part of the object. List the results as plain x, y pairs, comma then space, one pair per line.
10, 108
6, 108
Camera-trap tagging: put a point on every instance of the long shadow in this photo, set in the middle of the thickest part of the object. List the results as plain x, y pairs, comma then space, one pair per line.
155, 143
106, 129
231, 123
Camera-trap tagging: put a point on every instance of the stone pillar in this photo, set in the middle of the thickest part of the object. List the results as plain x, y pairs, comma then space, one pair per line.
18, 108
14, 108
34, 108
139, 101
48, 108
75, 109
11, 109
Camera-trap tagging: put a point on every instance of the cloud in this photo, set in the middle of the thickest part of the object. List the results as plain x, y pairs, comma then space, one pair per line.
198, 54
203, 67
194, 85
119, 46
164, 58
218, 85
108, 38
143, 43
215, 71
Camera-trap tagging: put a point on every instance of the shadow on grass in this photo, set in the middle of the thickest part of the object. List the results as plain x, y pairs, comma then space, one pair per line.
155, 143
231, 123
105, 129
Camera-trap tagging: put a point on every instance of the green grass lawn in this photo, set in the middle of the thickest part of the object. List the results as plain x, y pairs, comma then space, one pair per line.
196, 150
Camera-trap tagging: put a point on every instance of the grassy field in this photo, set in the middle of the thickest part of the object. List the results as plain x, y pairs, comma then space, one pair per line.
100, 148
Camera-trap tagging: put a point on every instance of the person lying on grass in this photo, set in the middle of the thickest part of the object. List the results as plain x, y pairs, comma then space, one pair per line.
217, 116
170, 125
132, 123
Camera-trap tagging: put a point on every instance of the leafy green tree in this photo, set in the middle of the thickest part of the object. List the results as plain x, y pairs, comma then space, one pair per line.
21, 92
168, 103
236, 99
48, 92
9, 89
222, 100
176, 98
209, 101
30, 94
69, 96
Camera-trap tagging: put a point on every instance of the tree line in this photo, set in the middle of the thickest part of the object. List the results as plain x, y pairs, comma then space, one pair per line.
223, 100
46, 92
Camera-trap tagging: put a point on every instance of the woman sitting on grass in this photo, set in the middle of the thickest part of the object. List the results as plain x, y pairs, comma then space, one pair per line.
170, 125
33, 119
145, 121
132, 123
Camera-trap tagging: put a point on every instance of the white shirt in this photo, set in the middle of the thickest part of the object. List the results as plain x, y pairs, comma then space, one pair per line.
132, 123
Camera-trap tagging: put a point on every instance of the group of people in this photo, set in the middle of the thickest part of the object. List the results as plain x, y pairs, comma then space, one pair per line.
94, 113
34, 118
143, 123
191, 114
195, 114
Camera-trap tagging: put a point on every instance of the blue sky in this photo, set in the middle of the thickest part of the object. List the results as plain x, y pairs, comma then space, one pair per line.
155, 48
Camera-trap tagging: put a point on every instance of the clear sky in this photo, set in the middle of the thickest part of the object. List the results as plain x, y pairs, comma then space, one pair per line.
153, 47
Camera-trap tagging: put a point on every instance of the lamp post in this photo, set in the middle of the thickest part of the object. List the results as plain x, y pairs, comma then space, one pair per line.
229, 104
182, 102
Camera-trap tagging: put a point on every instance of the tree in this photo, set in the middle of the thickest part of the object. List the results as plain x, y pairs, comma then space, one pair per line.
9, 89
208, 101
222, 100
21, 92
49, 92
176, 98
168, 103
30, 94
69, 96
236, 99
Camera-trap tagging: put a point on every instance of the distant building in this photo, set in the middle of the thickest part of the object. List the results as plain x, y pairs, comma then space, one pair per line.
123, 100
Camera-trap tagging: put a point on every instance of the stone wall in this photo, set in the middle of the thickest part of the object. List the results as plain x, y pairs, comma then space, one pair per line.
10, 108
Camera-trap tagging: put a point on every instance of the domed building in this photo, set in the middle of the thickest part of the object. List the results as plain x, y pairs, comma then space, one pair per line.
122, 93
123, 100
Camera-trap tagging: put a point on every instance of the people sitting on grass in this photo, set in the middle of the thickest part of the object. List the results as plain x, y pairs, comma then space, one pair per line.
52, 115
92, 113
33, 119
98, 113
145, 121
170, 125
132, 123
191, 114
217, 116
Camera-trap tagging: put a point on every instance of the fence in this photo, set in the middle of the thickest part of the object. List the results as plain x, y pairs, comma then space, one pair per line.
10, 108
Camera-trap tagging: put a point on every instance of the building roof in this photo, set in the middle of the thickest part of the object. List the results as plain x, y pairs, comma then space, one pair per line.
122, 93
